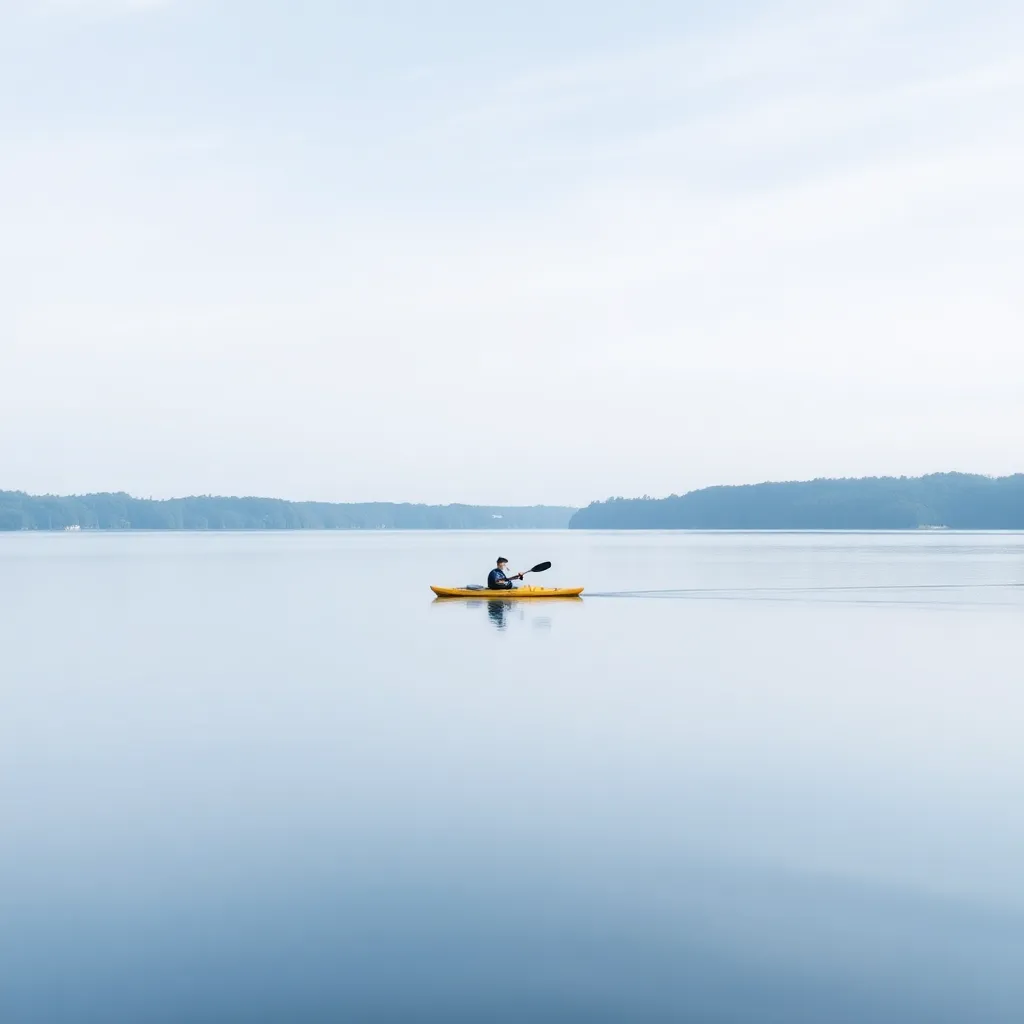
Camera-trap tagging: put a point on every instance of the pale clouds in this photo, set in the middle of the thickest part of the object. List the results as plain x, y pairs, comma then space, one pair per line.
90, 7
765, 248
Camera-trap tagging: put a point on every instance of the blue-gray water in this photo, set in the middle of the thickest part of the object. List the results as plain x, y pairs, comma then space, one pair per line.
266, 778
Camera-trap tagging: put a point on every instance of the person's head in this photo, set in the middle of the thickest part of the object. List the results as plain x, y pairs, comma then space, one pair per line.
502, 562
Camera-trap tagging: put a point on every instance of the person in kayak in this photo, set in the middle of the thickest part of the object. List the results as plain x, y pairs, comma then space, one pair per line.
496, 578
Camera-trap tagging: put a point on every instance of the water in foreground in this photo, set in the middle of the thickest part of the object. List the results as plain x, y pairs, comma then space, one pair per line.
749, 778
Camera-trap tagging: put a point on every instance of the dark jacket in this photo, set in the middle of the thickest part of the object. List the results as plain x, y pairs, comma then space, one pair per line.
497, 580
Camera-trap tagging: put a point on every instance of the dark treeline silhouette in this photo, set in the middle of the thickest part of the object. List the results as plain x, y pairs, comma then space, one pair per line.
20, 511
955, 500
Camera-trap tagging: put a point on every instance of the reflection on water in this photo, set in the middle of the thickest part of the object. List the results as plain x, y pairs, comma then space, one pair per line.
497, 612
501, 612
264, 778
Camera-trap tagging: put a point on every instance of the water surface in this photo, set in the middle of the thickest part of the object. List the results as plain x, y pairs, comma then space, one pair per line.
748, 778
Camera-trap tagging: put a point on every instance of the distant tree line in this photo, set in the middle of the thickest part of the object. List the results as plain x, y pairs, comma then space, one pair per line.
19, 511
954, 500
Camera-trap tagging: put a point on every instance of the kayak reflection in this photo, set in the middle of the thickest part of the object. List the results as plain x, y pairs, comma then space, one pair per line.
501, 611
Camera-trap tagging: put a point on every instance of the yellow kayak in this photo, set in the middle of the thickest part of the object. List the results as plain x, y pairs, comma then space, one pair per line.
504, 595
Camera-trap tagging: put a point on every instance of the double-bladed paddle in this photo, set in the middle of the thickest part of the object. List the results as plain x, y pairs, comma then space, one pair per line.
539, 567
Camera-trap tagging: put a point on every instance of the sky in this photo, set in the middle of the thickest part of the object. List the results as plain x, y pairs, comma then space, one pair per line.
543, 252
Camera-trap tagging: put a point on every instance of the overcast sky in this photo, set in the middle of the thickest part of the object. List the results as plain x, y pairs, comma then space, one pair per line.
547, 251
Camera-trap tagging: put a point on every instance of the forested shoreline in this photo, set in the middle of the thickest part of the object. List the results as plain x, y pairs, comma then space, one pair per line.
958, 501
117, 511
951, 500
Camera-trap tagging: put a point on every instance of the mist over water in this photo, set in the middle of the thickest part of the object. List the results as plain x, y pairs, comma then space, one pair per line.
747, 778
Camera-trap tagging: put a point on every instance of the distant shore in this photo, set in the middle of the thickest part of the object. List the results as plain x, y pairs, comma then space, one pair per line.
940, 501
20, 511
956, 501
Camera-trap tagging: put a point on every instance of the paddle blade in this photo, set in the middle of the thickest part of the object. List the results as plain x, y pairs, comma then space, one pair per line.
540, 567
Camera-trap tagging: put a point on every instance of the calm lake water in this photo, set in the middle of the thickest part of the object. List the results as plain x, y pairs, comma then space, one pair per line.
748, 778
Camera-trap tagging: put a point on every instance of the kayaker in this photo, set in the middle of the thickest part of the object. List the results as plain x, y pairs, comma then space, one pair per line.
496, 578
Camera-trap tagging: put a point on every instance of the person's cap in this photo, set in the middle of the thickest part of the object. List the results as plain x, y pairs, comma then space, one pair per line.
505, 560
